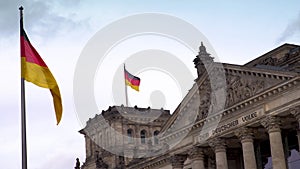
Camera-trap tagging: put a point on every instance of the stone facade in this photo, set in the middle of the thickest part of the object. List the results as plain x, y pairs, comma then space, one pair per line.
234, 116
121, 134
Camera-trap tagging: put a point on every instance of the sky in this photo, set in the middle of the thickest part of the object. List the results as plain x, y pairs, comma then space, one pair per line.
239, 31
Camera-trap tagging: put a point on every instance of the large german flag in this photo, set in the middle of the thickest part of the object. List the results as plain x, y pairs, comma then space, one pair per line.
34, 69
132, 81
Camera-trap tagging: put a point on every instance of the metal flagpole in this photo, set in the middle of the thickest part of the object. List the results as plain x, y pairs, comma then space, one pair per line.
23, 113
126, 95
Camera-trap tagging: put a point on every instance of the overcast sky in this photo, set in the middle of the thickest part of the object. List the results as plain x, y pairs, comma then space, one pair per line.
238, 31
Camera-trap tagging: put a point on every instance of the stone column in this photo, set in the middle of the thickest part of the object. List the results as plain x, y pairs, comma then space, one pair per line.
197, 157
296, 113
246, 137
272, 125
211, 163
298, 136
219, 147
178, 160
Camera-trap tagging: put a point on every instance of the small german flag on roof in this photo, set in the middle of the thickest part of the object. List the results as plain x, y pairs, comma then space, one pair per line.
132, 81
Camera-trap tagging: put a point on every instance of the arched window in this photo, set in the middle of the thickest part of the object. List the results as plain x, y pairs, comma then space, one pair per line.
130, 134
156, 132
143, 136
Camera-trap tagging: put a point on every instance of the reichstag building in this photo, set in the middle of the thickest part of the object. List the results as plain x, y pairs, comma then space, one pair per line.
234, 117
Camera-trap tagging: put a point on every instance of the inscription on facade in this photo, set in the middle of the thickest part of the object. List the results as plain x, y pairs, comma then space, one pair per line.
249, 117
225, 127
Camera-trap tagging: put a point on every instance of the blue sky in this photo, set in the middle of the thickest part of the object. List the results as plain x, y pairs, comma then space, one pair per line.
239, 31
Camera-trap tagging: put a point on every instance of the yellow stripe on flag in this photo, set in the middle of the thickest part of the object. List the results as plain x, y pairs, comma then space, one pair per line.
132, 86
42, 77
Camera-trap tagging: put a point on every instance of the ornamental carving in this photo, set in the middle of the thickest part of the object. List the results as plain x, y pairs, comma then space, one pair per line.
284, 60
274, 61
244, 134
218, 144
280, 59
271, 123
205, 95
296, 112
239, 88
196, 153
212, 93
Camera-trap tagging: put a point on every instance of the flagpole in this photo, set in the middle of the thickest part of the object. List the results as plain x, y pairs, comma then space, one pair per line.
126, 95
23, 113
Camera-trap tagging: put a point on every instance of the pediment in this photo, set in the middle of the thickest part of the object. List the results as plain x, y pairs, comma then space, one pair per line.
285, 58
242, 83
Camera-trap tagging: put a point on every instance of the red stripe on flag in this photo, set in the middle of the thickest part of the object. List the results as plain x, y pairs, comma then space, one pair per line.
29, 52
134, 81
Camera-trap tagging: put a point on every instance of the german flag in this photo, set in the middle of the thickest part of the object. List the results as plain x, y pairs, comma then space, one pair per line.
132, 81
35, 70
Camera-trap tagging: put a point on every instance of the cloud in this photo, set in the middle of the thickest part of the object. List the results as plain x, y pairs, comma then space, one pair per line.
41, 17
8, 16
292, 29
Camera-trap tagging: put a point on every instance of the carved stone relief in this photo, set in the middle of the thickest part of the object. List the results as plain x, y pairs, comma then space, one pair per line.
239, 86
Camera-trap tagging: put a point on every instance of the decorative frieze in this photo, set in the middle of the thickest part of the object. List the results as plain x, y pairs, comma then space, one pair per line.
241, 87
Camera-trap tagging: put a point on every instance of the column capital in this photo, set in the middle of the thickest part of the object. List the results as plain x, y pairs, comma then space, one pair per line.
245, 134
196, 153
218, 144
296, 113
271, 123
177, 160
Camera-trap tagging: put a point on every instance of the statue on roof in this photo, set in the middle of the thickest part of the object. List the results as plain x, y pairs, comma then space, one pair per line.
202, 60
77, 165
